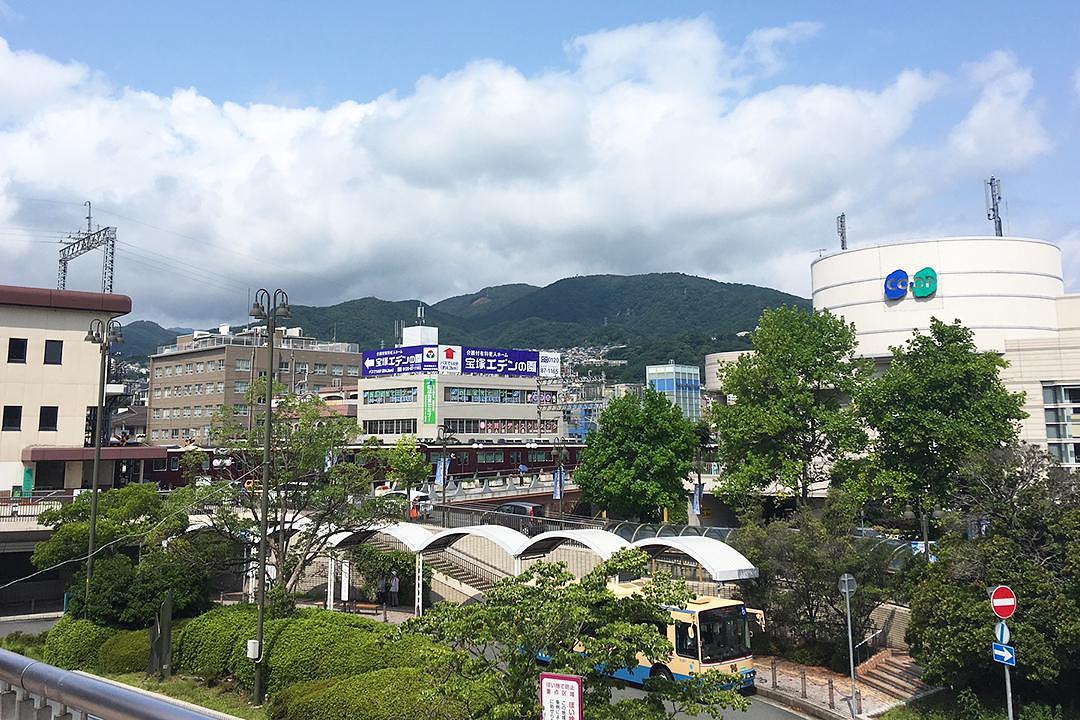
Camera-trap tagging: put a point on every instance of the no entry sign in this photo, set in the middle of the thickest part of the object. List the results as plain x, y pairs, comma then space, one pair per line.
1003, 601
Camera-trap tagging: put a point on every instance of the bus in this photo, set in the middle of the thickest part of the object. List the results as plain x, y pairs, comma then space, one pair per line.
710, 633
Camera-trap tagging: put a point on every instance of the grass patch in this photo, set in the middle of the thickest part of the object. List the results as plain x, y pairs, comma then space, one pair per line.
222, 698
945, 705
30, 645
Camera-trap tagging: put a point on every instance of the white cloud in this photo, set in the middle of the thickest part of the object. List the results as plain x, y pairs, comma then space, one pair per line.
659, 148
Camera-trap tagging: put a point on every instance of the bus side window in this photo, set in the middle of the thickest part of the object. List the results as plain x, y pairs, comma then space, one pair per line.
686, 640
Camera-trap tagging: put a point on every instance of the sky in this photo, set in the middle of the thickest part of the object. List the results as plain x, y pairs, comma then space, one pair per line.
427, 149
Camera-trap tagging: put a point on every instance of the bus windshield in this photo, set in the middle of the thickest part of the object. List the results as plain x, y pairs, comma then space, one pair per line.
724, 634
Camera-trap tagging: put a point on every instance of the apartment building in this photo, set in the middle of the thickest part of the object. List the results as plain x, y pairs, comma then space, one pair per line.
205, 371
49, 390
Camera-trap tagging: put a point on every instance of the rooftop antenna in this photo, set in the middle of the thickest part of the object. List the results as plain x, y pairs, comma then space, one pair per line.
841, 229
420, 314
821, 251
993, 203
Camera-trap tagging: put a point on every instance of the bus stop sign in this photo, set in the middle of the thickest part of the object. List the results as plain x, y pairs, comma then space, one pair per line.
1003, 601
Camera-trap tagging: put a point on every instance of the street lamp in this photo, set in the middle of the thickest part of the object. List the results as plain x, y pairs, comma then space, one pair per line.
266, 307
444, 437
103, 333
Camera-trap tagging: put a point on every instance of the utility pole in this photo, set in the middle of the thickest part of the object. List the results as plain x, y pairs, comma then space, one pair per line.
82, 243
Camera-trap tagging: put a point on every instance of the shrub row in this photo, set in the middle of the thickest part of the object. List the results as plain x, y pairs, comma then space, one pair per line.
81, 645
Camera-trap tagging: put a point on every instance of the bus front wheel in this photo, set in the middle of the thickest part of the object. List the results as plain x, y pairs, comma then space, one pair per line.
659, 671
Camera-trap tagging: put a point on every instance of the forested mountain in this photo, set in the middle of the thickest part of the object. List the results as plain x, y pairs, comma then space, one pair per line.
658, 317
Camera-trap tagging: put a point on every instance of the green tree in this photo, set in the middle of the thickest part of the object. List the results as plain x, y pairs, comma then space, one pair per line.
635, 464
791, 423
582, 626
311, 495
1027, 513
940, 402
799, 562
408, 467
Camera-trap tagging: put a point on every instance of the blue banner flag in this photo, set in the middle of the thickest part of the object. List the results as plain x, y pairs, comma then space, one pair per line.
559, 475
699, 492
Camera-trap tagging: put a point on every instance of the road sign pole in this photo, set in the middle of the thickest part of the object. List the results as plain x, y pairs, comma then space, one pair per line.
1008, 693
850, 647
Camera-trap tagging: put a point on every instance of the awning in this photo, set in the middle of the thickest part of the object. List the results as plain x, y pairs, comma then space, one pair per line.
40, 453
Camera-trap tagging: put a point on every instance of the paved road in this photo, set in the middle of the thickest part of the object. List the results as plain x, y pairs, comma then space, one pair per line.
32, 627
760, 709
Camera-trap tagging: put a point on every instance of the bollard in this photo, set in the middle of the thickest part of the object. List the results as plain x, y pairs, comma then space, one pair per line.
803, 674
774, 672
858, 701
832, 703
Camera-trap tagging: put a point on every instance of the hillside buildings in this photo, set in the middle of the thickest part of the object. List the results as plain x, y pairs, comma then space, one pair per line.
203, 372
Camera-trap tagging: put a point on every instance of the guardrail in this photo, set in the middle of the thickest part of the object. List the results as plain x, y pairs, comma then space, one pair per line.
19, 508
29, 688
479, 486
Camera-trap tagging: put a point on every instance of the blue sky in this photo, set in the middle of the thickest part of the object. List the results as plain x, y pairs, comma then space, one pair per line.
519, 142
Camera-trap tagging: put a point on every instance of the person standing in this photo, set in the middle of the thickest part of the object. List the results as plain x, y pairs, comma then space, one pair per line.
395, 586
380, 590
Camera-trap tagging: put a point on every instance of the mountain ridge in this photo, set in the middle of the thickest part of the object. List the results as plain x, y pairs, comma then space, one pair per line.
656, 316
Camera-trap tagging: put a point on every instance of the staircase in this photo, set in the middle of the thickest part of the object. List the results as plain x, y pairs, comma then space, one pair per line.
451, 567
892, 673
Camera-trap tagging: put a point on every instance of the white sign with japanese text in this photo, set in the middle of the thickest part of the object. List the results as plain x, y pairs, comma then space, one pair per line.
560, 696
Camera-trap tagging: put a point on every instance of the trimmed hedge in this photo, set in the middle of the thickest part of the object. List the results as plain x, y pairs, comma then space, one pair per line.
388, 694
125, 652
76, 644
205, 645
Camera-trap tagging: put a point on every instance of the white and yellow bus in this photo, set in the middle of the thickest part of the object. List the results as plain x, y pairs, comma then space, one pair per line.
710, 633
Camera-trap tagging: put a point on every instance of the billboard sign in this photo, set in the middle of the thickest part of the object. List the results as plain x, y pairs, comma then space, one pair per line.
550, 364
450, 358
496, 361
431, 415
923, 285
394, 361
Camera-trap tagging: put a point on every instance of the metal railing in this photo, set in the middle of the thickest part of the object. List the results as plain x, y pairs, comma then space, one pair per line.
868, 644
29, 688
478, 486
33, 504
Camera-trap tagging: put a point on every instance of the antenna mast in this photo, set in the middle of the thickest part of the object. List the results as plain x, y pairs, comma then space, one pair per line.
82, 243
993, 203
841, 229
420, 314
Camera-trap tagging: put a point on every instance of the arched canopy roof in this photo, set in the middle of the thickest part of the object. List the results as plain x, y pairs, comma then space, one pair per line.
411, 536
511, 541
603, 543
723, 562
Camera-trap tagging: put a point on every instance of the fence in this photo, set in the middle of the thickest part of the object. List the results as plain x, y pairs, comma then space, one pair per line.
22, 508
29, 688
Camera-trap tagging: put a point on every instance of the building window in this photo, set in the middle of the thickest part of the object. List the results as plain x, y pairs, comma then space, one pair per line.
154, 435
175, 433
320, 368
198, 388
198, 367
404, 426
179, 369
168, 371
243, 364
12, 417
174, 461
301, 388
283, 366
157, 393
390, 395
337, 370
190, 368
16, 350
353, 370
54, 352
301, 367
157, 372
484, 457
240, 410
241, 386
47, 417
206, 431
155, 413
318, 387
220, 387
187, 412
198, 411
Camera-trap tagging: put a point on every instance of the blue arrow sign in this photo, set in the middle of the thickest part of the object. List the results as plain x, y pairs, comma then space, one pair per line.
1001, 633
1004, 654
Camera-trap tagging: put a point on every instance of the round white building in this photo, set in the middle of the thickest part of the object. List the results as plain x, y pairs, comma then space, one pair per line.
1003, 288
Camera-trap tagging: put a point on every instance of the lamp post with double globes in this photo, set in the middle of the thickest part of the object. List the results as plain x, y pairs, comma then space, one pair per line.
267, 307
103, 333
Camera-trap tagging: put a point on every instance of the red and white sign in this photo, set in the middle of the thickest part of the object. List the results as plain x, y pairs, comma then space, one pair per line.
450, 359
1003, 601
560, 696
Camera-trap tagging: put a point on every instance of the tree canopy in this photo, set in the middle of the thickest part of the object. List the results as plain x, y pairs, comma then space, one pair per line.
582, 626
791, 423
940, 402
634, 465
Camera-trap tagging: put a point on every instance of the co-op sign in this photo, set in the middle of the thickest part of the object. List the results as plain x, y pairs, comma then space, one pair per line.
461, 359
922, 285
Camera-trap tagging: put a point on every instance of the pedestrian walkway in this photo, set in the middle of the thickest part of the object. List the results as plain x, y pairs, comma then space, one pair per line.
807, 687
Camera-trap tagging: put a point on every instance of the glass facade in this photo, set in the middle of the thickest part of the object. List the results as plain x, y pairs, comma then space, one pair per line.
1061, 412
681, 384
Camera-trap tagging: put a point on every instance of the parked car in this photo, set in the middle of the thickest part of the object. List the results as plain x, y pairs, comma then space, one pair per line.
414, 498
525, 517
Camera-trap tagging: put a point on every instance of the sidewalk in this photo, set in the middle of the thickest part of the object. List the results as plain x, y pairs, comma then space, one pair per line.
788, 688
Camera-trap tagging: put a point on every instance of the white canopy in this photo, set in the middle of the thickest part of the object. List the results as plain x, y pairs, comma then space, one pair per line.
511, 541
411, 536
601, 542
723, 562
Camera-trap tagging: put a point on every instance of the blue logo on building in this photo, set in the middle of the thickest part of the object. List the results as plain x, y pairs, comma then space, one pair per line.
923, 285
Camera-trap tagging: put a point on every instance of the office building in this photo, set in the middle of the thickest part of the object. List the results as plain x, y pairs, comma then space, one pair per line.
681, 384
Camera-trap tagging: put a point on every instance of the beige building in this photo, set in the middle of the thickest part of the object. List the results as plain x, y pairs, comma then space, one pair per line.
203, 372
469, 407
49, 389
